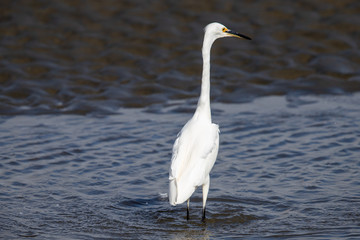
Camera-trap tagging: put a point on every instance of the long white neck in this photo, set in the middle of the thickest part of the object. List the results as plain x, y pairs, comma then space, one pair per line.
203, 107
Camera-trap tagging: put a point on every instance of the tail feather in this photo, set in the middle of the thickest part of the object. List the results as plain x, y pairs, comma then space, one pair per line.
173, 192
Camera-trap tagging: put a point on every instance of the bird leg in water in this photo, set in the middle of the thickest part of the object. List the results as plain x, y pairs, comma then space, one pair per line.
187, 210
205, 190
203, 216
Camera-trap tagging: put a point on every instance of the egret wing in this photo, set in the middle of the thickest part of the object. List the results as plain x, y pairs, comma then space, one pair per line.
191, 161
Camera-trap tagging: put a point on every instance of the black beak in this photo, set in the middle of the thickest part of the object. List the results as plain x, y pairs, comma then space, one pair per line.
239, 35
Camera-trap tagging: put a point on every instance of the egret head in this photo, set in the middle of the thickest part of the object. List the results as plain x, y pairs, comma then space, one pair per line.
216, 30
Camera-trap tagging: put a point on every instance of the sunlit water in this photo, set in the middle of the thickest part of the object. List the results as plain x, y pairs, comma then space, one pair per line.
93, 93
286, 168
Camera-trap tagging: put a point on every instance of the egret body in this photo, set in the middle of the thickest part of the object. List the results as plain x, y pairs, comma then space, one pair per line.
196, 147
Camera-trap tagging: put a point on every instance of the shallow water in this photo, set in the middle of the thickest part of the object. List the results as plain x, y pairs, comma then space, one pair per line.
286, 168
92, 97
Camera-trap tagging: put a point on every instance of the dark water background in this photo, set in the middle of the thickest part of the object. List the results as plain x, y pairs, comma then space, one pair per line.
93, 93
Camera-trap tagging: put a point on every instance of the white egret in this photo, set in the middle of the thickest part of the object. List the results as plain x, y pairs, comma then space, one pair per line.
196, 147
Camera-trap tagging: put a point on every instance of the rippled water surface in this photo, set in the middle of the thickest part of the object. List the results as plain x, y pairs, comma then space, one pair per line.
92, 95
286, 167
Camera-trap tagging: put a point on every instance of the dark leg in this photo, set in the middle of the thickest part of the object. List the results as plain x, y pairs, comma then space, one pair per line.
203, 215
187, 210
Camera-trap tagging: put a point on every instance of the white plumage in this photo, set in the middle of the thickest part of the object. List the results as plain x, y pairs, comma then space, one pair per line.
196, 147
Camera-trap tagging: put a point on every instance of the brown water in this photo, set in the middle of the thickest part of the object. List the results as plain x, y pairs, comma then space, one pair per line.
93, 94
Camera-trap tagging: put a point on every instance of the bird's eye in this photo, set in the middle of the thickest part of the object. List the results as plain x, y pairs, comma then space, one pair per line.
224, 29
